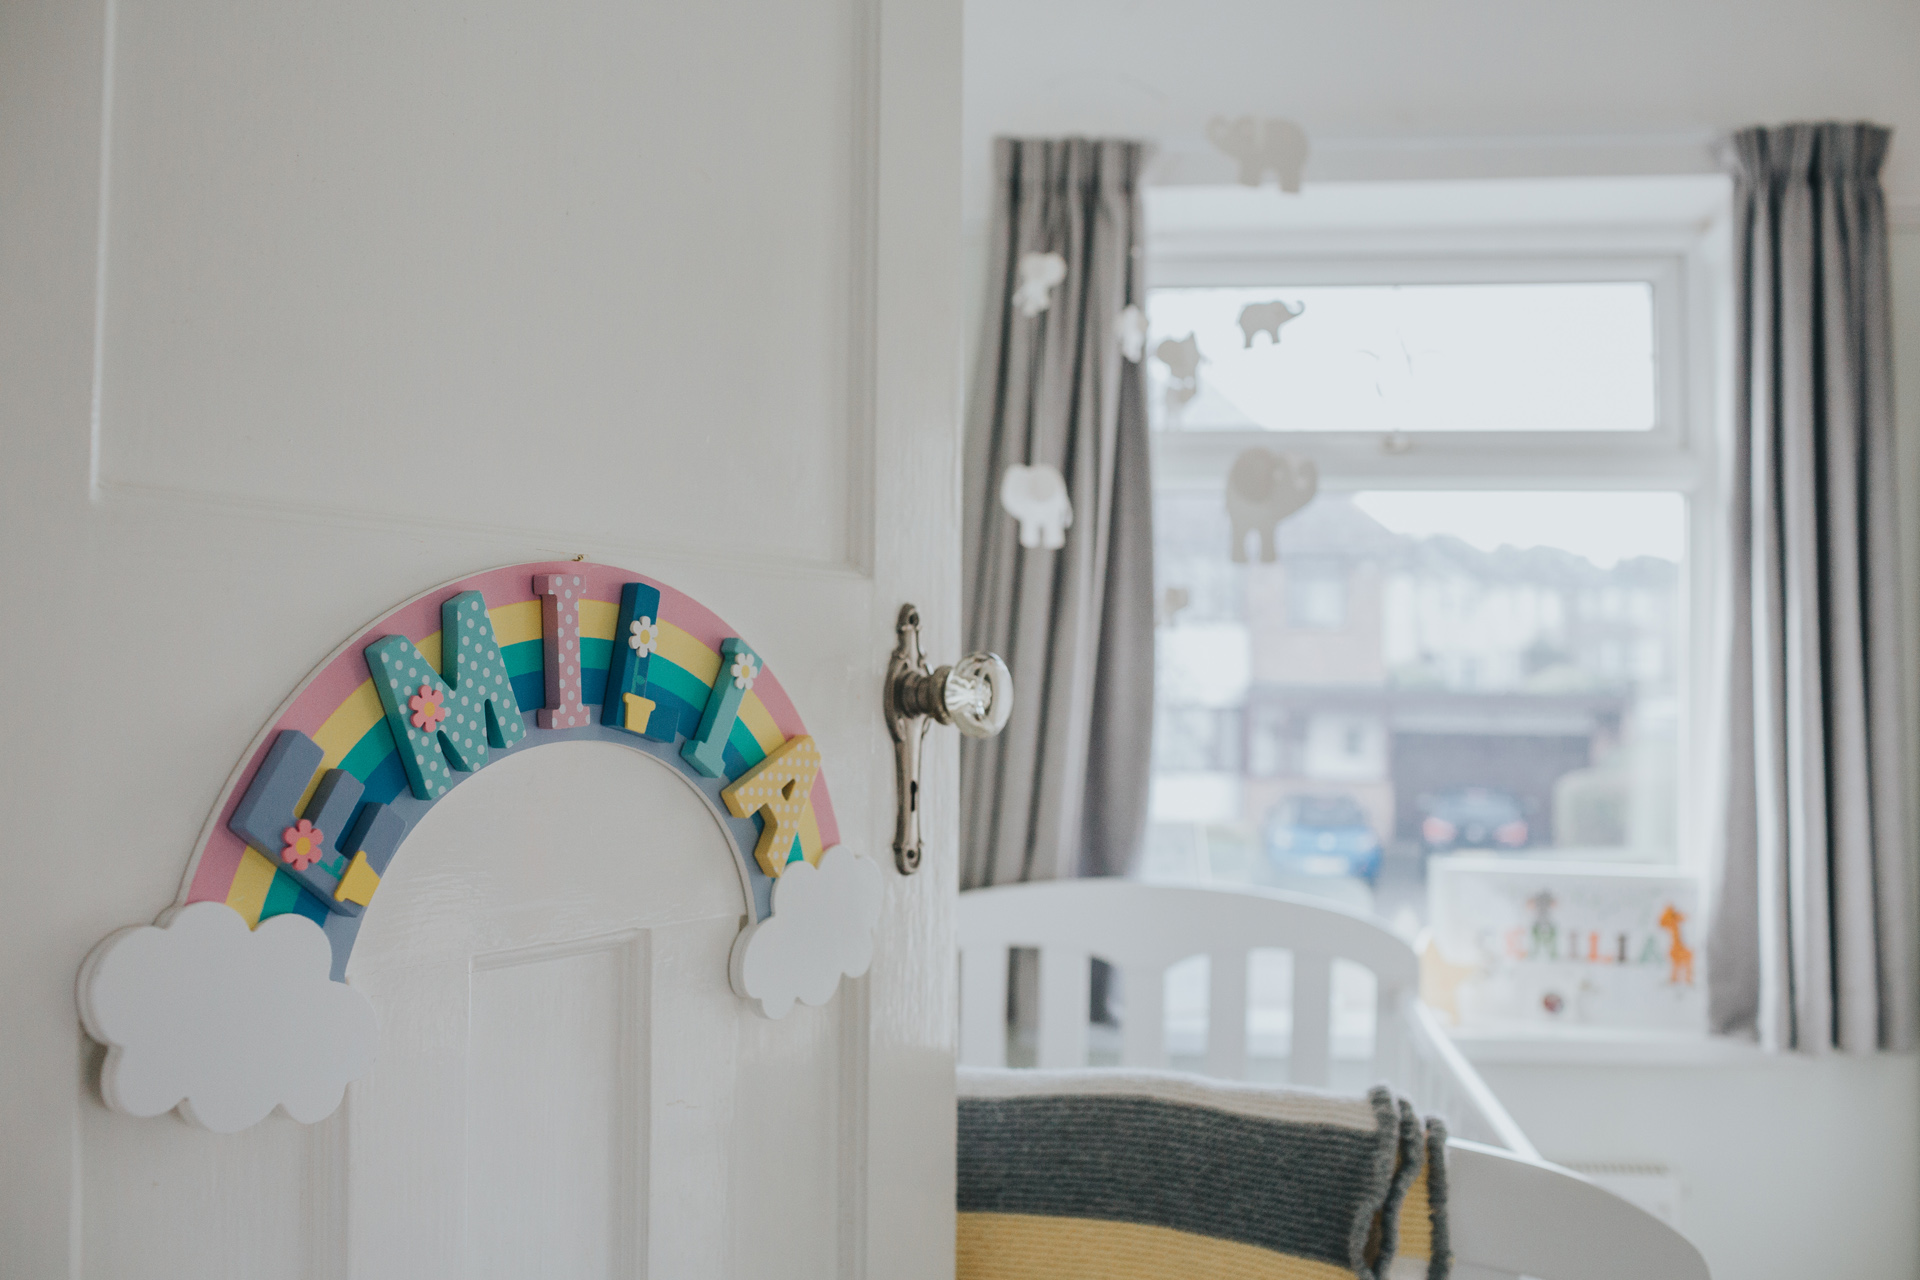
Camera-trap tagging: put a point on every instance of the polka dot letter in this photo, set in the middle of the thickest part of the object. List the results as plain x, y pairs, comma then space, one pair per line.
399, 673
482, 710
560, 621
780, 789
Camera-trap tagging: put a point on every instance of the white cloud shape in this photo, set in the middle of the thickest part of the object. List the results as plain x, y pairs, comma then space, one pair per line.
821, 927
223, 1021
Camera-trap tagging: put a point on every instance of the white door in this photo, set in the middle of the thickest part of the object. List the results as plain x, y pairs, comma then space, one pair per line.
305, 307
566, 1084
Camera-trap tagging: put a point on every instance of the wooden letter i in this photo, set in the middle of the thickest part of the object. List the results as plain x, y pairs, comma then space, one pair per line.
560, 624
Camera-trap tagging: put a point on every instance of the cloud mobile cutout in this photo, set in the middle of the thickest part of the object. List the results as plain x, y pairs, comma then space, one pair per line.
292, 859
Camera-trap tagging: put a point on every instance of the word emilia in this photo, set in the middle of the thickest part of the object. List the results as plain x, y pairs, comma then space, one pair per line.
447, 722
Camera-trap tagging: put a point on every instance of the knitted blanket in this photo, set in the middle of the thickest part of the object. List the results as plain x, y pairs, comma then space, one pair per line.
1125, 1175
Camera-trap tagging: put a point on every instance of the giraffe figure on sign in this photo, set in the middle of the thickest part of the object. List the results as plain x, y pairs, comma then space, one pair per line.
1679, 954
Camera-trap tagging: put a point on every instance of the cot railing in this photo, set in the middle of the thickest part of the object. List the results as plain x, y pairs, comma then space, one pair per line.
1142, 930
1512, 1214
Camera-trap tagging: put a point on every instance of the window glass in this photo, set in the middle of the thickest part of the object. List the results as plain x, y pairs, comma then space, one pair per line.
1416, 673
1404, 358
1317, 594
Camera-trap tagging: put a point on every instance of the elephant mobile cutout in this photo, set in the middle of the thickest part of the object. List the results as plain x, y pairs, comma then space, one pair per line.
1268, 318
1263, 489
1183, 360
1260, 147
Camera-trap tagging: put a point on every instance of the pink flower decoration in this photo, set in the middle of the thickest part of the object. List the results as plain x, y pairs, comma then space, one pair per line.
428, 709
305, 845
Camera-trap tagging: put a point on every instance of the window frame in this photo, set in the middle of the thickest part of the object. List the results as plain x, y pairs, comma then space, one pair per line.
1686, 258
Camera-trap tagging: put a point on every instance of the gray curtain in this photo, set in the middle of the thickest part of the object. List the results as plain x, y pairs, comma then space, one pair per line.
1062, 791
1811, 945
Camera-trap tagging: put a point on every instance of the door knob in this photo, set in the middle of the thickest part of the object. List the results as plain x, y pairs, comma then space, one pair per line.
974, 695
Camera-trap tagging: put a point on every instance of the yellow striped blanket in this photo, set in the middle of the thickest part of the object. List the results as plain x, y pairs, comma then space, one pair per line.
1125, 1175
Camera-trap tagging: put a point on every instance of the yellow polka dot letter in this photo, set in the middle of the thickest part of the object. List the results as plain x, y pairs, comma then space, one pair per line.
780, 789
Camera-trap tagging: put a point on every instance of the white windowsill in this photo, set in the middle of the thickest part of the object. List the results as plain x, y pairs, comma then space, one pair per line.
1592, 1047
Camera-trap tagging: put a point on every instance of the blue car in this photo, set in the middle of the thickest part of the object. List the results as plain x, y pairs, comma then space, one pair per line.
1323, 836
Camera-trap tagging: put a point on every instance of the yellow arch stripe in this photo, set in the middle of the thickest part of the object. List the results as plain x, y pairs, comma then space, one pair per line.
598, 618
513, 623
810, 836
759, 722
688, 654
349, 723
251, 880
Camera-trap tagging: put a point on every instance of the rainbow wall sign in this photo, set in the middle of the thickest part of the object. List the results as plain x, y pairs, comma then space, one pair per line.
236, 1002
501, 662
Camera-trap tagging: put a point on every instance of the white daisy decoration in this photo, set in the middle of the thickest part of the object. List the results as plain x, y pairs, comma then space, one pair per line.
645, 634
744, 671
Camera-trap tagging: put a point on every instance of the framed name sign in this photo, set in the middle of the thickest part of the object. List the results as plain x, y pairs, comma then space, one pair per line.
1530, 942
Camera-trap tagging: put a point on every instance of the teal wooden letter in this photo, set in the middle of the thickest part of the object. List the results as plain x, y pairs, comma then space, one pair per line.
415, 699
705, 750
482, 710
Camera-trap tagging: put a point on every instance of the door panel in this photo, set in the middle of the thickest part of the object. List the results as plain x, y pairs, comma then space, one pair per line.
411, 226
553, 1086
304, 306
521, 1043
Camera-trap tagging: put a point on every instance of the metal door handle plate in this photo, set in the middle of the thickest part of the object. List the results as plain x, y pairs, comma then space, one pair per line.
974, 695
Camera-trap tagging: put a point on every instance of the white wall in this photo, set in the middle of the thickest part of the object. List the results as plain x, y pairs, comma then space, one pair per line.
1791, 1168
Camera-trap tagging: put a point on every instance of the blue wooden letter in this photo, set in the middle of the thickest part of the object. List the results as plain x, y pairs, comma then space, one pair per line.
627, 672
267, 808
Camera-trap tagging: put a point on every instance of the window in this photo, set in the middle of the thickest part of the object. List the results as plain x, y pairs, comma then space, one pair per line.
1479, 634
1316, 589
1408, 357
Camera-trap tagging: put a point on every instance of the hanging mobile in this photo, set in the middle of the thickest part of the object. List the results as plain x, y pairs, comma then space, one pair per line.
1036, 496
1264, 488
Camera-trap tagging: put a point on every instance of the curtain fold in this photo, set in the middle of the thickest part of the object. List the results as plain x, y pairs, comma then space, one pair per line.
1062, 791
1811, 945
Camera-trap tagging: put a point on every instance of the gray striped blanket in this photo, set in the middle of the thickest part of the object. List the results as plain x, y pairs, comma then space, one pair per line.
1127, 1175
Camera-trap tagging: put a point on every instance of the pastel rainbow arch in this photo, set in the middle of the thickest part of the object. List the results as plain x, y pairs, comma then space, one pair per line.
338, 708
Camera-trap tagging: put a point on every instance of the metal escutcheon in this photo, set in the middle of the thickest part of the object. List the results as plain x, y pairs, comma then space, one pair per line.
974, 695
